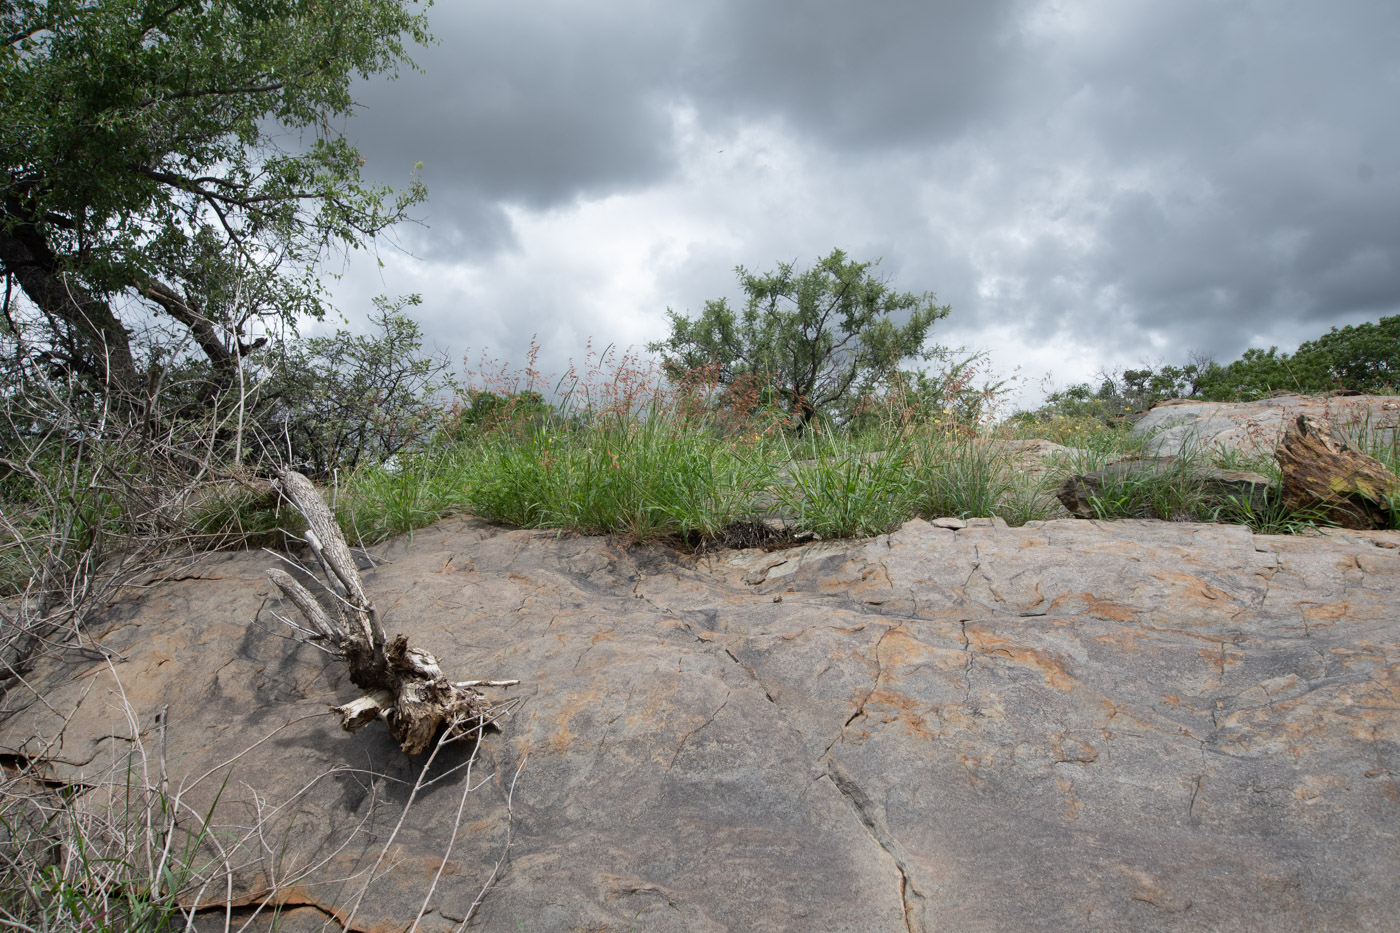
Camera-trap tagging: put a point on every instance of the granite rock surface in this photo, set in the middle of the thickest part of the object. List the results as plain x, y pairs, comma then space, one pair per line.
1177, 426
1134, 725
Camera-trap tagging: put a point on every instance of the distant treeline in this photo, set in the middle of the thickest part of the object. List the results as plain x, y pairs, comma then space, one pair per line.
1362, 358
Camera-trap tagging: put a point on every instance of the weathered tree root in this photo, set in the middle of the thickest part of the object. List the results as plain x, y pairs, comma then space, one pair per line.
403, 686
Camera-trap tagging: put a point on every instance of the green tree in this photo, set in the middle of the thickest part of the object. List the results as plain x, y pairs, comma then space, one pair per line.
812, 339
1121, 393
1364, 357
1258, 374
176, 161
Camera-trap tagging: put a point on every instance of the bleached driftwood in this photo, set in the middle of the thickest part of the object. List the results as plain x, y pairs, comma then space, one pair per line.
405, 687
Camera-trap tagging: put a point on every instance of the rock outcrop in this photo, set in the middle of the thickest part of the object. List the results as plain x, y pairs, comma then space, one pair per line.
1072, 725
1178, 426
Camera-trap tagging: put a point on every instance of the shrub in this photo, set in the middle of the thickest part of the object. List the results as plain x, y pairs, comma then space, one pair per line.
812, 339
328, 403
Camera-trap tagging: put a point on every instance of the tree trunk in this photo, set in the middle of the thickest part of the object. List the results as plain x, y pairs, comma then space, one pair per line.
97, 345
803, 412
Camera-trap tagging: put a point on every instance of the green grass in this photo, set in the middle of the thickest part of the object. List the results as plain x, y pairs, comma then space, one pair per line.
235, 515
1175, 493
967, 477
122, 868
849, 487
1378, 440
1260, 462
1381, 441
647, 476
1026, 499
420, 488
1271, 517
1079, 431
656, 474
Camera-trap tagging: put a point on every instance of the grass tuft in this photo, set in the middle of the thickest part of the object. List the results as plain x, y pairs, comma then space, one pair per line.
648, 476
966, 477
1270, 517
843, 487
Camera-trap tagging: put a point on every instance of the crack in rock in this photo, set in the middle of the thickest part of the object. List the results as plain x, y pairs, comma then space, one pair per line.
335, 919
910, 896
687, 737
976, 566
754, 675
860, 707
967, 666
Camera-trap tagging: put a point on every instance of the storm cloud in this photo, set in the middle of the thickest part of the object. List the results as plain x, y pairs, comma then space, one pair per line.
1089, 183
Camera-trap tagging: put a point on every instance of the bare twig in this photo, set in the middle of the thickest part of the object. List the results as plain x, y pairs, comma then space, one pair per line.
452, 839
505, 851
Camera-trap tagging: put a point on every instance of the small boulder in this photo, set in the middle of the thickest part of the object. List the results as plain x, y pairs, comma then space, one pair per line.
1322, 471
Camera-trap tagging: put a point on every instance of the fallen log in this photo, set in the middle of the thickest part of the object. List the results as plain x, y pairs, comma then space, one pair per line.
1078, 493
404, 687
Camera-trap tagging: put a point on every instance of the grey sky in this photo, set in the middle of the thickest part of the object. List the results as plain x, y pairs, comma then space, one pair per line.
1088, 183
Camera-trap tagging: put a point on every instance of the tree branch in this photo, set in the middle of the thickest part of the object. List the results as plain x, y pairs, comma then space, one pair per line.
198, 325
212, 92
190, 186
25, 34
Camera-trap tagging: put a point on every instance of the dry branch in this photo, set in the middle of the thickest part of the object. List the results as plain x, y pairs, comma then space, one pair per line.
403, 686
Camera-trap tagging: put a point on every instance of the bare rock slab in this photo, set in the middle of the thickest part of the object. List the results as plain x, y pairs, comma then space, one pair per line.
1072, 725
1178, 426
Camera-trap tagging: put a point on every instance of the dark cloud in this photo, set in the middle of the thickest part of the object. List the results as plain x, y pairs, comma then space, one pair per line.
856, 75
540, 105
1120, 180
1232, 179
532, 105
